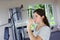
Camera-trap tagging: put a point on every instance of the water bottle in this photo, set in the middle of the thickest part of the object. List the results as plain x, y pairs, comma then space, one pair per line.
33, 26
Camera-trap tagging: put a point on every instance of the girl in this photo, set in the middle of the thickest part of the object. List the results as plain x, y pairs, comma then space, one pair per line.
42, 30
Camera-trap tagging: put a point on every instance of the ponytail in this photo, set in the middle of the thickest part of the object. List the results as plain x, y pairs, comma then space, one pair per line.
46, 21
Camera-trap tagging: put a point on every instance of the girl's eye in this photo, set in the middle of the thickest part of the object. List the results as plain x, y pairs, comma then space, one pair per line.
36, 15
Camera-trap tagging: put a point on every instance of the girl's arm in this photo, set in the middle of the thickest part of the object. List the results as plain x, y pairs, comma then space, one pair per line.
30, 33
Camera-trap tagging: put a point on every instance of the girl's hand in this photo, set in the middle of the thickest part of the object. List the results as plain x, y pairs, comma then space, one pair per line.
30, 21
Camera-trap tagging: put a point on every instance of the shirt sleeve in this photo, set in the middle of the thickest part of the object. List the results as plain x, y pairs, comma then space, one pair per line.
44, 33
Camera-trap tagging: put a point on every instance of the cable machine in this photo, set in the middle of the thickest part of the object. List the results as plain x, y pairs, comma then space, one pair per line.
16, 15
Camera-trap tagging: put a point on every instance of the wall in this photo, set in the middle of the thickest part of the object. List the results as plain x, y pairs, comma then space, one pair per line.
56, 4
5, 5
4, 10
58, 11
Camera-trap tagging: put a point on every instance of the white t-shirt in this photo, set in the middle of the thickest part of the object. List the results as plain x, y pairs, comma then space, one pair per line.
44, 33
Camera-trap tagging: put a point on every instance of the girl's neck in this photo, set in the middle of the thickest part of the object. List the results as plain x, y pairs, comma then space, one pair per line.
40, 26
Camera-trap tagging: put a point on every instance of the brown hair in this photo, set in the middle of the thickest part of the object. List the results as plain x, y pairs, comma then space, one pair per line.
41, 12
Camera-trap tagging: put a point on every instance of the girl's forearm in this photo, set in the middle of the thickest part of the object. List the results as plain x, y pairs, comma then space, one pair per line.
32, 37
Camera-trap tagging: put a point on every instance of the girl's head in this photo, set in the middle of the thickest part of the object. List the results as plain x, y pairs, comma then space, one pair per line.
39, 16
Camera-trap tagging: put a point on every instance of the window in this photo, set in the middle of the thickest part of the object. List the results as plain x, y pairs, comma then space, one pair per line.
49, 14
48, 10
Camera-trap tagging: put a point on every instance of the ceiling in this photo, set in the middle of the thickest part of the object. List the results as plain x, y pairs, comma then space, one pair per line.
8, 0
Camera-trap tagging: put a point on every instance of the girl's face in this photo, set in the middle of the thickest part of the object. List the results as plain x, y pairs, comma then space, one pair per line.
37, 18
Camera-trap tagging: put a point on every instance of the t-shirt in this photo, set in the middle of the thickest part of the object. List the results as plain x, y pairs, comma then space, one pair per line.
43, 32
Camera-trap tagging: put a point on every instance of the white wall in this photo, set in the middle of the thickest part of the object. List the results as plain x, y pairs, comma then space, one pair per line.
5, 5
58, 11
56, 4
4, 10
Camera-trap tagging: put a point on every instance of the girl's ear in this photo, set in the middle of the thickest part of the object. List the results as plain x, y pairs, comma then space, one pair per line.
42, 17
